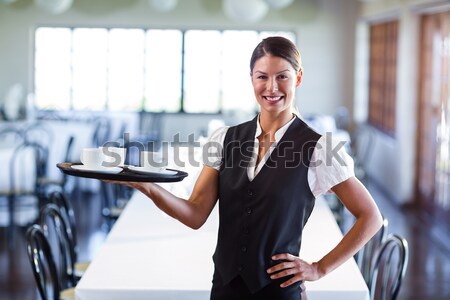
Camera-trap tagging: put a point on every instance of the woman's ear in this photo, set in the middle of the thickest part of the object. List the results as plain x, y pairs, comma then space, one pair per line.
299, 78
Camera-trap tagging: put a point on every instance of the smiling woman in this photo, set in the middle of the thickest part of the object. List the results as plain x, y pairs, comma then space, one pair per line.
265, 176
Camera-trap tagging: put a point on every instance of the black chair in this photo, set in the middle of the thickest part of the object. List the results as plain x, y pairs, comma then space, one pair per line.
41, 154
54, 226
65, 207
45, 183
114, 196
102, 131
41, 136
366, 256
38, 133
68, 215
20, 194
389, 269
11, 136
44, 267
40, 157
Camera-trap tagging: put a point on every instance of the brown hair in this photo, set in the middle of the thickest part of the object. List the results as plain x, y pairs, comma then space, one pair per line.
280, 47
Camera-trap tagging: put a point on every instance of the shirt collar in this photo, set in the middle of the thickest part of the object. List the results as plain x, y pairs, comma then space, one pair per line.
279, 133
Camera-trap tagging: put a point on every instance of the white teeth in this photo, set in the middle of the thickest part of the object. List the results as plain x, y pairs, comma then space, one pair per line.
273, 98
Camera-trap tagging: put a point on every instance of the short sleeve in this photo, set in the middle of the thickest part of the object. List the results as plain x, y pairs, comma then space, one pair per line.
330, 165
213, 149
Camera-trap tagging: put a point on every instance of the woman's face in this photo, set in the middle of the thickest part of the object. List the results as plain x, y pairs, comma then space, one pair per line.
274, 82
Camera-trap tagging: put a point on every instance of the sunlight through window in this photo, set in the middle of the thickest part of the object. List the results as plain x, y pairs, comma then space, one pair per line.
131, 69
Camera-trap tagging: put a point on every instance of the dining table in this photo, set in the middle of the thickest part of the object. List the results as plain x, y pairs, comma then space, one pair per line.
149, 255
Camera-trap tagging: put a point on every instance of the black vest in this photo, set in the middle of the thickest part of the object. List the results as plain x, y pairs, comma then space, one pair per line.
265, 216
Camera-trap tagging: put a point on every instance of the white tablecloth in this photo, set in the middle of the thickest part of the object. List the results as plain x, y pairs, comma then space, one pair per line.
148, 255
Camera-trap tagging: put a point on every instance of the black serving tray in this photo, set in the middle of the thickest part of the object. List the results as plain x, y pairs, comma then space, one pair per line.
125, 175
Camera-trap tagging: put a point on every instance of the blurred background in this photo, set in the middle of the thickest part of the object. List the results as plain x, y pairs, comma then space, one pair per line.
79, 73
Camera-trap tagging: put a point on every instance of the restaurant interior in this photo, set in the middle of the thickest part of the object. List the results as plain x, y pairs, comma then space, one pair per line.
162, 76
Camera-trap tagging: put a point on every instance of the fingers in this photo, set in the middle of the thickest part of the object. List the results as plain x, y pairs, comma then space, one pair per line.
294, 270
284, 273
283, 256
114, 181
286, 256
292, 265
290, 281
280, 266
126, 183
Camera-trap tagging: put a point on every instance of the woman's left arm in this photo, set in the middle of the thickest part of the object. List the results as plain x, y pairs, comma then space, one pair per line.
360, 203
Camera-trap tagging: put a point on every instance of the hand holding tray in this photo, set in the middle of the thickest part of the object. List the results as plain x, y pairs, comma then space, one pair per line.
122, 173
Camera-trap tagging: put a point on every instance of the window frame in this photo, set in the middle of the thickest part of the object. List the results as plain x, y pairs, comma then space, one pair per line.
383, 75
144, 29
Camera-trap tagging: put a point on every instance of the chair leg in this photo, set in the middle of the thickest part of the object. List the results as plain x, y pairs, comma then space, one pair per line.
11, 221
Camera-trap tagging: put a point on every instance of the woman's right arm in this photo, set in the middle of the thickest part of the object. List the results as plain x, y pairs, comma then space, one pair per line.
192, 212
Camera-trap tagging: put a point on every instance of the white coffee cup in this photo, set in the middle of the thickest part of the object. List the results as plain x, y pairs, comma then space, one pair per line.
114, 156
153, 161
92, 157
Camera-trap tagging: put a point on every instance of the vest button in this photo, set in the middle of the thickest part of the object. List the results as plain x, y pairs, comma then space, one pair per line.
246, 230
244, 249
240, 268
250, 193
249, 210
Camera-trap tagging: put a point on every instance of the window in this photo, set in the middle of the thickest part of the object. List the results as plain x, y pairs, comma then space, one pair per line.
383, 72
53, 68
196, 71
89, 69
237, 90
163, 76
202, 70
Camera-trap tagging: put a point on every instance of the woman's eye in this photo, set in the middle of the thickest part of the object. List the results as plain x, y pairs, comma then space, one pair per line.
262, 77
282, 76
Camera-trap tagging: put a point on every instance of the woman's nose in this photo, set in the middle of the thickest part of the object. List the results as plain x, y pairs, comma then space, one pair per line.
272, 85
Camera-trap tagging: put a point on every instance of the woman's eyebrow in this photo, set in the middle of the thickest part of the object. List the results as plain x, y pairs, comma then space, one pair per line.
287, 70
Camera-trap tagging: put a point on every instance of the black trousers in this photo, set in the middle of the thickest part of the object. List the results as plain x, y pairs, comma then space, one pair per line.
237, 290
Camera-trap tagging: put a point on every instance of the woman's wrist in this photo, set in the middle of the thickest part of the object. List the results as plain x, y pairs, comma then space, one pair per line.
320, 269
146, 188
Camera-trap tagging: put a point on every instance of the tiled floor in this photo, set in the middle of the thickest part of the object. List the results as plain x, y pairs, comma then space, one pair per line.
427, 278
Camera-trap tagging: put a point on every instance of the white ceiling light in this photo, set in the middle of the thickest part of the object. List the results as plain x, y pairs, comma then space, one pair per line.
245, 10
163, 5
54, 6
279, 4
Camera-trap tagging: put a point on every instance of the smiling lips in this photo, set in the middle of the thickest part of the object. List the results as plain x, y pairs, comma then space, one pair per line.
273, 99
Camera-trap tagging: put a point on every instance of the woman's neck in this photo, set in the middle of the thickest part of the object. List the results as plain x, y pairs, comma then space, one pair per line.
270, 123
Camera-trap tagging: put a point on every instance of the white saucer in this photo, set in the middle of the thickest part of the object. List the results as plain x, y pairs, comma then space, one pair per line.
108, 170
144, 170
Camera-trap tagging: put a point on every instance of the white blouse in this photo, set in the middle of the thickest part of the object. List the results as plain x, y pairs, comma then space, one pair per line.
330, 163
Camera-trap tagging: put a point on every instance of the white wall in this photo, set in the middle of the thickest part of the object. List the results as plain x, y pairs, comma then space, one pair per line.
325, 32
392, 164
